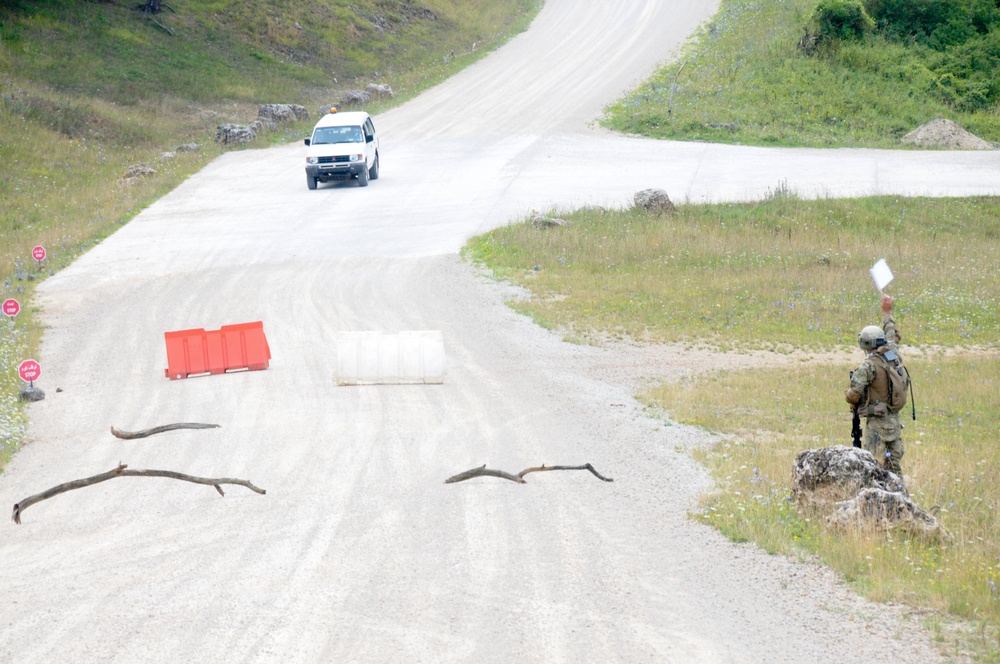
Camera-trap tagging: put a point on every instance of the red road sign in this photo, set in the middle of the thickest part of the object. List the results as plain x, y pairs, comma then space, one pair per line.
11, 307
38, 253
29, 371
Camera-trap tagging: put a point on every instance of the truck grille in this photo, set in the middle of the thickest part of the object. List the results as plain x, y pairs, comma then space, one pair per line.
330, 160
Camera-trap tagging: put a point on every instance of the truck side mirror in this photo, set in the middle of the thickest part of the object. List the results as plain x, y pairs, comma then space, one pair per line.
307, 141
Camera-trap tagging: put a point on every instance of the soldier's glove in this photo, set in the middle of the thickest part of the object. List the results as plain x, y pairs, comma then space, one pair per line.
852, 397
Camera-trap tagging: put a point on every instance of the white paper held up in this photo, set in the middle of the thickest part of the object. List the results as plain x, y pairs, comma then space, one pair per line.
881, 274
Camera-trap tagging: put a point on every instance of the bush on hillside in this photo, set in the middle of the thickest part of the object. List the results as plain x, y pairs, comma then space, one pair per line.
968, 76
833, 21
956, 42
909, 18
937, 23
842, 19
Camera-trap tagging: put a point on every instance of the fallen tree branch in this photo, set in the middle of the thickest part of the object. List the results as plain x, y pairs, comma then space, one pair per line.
160, 24
483, 471
129, 435
121, 471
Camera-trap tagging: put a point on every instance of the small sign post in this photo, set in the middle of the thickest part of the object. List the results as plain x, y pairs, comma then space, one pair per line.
29, 371
38, 253
11, 307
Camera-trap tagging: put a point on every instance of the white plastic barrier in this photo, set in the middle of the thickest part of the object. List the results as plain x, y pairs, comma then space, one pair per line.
374, 358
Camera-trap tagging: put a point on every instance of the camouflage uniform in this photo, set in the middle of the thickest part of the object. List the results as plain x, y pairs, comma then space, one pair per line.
870, 391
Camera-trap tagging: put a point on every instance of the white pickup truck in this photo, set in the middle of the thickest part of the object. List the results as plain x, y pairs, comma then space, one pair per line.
342, 146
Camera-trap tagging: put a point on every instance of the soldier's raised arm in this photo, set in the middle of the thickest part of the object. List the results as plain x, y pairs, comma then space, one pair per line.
888, 322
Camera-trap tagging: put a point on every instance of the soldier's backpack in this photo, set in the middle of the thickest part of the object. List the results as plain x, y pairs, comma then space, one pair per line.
899, 379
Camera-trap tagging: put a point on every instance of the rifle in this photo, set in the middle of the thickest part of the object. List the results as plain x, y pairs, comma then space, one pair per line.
856, 428
855, 424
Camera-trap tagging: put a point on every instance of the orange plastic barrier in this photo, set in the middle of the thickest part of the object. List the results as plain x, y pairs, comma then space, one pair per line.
230, 348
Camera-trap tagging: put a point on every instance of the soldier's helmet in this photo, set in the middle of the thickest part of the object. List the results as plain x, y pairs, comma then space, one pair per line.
871, 338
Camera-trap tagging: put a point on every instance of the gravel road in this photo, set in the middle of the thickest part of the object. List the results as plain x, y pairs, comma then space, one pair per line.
359, 552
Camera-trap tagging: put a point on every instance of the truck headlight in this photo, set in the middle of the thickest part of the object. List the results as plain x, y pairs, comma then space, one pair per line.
357, 157
312, 160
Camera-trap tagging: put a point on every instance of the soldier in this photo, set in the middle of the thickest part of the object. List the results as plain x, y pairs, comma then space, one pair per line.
870, 391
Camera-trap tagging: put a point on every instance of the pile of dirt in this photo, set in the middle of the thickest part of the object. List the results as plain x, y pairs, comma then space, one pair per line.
943, 133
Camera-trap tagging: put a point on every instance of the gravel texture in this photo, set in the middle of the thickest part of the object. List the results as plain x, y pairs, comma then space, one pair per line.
944, 133
359, 552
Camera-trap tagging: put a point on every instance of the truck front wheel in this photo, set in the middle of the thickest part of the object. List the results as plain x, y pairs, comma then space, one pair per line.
310, 182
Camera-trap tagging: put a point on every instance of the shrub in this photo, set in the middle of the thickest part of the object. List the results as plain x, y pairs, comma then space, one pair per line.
909, 18
968, 76
950, 22
841, 19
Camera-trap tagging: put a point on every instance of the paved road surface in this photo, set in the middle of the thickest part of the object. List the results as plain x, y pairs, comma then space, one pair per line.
359, 552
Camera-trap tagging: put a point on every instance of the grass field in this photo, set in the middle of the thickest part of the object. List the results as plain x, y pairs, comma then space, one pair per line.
771, 274
769, 415
791, 276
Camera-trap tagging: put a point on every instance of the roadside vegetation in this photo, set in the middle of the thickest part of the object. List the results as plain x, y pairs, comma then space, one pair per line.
952, 463
836, 73
92, 88
791, 276
774, 274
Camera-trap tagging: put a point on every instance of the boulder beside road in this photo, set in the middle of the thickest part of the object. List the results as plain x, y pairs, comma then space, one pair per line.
229, 134
825, 476
853, 491
877, 509
654, 201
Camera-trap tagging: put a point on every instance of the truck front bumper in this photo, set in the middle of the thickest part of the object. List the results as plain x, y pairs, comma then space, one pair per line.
337, 171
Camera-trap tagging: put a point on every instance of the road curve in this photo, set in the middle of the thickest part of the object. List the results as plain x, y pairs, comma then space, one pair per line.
359, 552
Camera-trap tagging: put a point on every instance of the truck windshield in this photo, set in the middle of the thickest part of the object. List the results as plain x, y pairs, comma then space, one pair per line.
328, 135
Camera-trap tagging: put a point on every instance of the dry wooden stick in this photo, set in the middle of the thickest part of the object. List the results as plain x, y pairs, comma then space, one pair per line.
519, 478
129, 435
160, 24
121, 471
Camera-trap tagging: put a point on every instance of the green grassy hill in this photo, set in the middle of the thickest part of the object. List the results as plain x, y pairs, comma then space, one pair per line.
227, 51
797, 73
